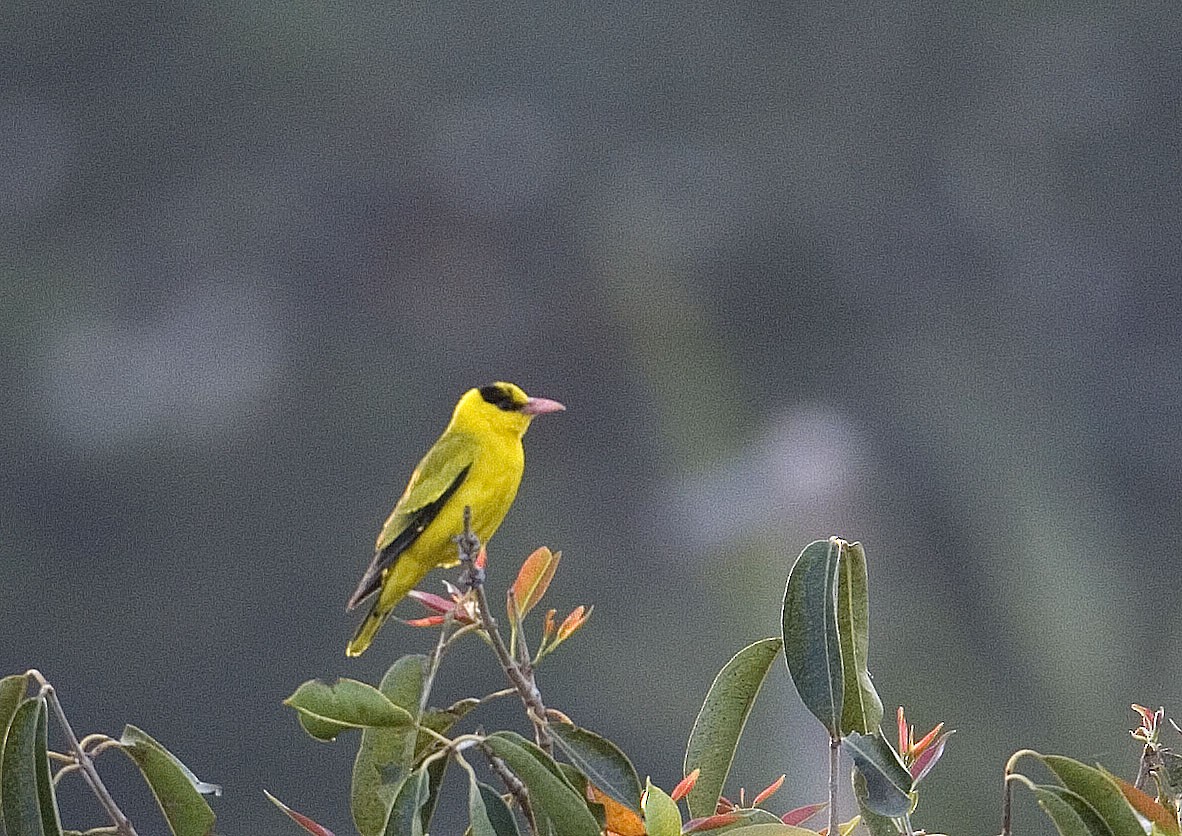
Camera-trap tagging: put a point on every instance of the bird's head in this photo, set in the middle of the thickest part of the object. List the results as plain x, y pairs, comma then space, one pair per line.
502, 406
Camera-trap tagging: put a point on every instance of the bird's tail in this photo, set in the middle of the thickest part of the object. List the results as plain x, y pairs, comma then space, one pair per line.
368, 629
395, 585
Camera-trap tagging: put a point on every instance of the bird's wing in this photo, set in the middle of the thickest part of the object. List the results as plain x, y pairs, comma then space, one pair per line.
437, 477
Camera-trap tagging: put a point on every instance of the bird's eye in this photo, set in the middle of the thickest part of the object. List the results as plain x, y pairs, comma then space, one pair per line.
499, 397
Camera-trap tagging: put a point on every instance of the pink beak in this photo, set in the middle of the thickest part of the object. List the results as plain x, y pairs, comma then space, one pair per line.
540, 406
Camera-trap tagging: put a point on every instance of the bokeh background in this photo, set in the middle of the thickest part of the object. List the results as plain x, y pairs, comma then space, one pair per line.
906, 273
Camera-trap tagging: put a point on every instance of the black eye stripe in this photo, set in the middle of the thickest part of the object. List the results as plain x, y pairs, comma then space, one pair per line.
498, 397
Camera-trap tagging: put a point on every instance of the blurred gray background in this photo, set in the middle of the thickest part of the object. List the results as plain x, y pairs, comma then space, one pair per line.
902, 272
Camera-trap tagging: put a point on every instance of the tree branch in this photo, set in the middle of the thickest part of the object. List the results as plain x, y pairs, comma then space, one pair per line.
834, 761
514, 785
520, 675
122, 824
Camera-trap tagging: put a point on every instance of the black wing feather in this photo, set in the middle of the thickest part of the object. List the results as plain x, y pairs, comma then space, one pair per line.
384, 559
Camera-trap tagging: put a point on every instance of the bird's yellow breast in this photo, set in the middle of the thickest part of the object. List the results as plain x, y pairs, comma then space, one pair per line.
488, 489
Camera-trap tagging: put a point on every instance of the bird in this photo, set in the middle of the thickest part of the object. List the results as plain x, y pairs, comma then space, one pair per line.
477, 463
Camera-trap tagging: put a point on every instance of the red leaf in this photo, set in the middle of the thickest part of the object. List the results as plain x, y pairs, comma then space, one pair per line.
803, 814
432, 601
299, 818
769, 792
457, 605
927, 759
425, 621
534, 578
710, 822
685, 785
917, 749
1147, 806
573, 622
1146, 714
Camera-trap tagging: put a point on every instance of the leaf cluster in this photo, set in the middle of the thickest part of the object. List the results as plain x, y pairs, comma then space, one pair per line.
571, 781
28, 801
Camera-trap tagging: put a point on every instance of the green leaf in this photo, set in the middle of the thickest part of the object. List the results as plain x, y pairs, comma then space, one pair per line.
12, 692
177, 790
27, 800
601, 761
876, 823
1099, 791
560, 770
888, 783
406, 817
1062, 813
323, 730
488, 812
812, 647
661, 816
440, 721
716, 732
386, 756
435, 771
327, 710
550, 794
1172, 767
582, 788
862, 707
1086, 812
299, 818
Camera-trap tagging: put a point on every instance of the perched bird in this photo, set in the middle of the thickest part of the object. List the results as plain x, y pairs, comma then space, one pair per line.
477, 462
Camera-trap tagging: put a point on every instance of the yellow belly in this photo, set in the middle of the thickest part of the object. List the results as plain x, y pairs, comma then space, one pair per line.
489, 490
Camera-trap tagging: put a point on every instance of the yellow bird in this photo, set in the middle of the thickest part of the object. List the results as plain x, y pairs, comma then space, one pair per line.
477, 462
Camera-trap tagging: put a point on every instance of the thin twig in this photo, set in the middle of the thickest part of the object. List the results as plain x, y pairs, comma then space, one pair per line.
104, 746
906, 819
441, 739
433, 663
521, 677
523, 654
122, 824
1006, 811
93, 739
834, 759
72, 766
1008, 790
1144, 766
496, 695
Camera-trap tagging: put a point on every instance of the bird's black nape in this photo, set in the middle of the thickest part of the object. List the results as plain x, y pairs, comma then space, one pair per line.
500, 397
